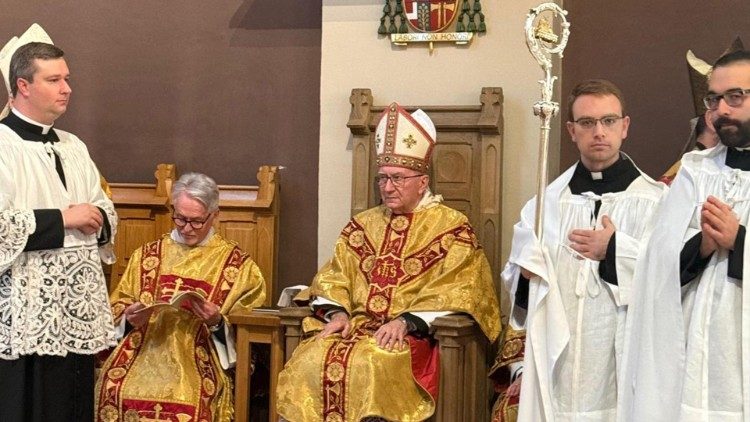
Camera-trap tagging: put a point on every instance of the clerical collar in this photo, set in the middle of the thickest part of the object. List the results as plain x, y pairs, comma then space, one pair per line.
28, 129
45, 128
738, 158
614, 178
620, 167
177, 237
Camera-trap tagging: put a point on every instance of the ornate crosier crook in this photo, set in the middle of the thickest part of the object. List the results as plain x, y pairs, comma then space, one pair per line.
543, 43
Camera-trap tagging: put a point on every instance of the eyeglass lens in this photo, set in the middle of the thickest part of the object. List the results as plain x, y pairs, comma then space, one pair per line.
733, 98
382, 179
590, 122
182, 222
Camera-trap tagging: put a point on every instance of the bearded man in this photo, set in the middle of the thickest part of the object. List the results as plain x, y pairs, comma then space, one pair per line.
689, 341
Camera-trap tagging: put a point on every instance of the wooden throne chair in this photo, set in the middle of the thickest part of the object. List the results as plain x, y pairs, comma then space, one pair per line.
467, 172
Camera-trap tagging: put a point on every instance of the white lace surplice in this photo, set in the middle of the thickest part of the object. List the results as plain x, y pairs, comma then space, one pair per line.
52, 302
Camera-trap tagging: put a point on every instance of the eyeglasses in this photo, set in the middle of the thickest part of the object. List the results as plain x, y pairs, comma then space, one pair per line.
196, 224
590, 122
397, 179
733, 98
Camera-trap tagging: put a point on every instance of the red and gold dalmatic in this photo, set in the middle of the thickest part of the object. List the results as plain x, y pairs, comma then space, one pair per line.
383, 266
512, 348
169, 370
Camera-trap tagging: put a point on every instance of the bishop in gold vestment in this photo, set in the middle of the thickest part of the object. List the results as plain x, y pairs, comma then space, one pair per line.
171, 368
409, 260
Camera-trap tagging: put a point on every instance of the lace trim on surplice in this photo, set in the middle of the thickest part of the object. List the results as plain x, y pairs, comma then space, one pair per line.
15, 228
54, 302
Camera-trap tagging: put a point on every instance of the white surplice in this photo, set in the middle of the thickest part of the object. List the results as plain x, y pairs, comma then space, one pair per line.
686, 345
52, 302
575, 320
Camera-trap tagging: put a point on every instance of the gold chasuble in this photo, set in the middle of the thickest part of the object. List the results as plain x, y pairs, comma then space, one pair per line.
384, 265
169, 369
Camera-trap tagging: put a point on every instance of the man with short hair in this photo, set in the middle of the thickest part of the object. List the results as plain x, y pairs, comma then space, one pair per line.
171, 364
396, 267
56, 226
571, 293
690, 344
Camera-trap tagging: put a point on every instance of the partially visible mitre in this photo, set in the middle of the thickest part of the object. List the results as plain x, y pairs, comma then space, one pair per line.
35, 33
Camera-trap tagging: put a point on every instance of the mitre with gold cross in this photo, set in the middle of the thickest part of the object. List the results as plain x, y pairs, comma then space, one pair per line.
404, 140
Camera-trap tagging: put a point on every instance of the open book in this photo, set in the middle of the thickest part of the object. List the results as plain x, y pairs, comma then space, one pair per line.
180, 300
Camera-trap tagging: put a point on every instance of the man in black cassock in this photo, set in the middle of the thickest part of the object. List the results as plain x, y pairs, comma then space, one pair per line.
571, 293
56, 227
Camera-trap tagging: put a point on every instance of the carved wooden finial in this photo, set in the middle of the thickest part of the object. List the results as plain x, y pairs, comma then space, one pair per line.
359, 117
267, 179
165, 176
491, 117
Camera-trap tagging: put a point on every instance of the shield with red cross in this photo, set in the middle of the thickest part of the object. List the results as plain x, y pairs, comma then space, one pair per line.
430, 15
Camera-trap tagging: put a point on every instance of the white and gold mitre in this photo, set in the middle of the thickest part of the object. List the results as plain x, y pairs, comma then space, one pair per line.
35, 33
404, 140
699, 70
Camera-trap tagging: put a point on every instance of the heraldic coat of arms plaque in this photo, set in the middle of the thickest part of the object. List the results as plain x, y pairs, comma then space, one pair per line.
431, 21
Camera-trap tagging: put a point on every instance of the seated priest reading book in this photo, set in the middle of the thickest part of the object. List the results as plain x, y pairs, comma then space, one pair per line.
172, 303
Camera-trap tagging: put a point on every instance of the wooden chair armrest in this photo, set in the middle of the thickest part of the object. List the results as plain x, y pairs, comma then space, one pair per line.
295, 311
463, 356
291, 320
454, 325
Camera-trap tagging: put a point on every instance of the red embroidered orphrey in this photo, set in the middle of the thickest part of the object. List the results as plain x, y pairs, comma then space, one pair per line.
169, 285
385, 272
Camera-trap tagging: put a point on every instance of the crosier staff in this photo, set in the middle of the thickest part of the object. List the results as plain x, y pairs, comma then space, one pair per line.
543, 43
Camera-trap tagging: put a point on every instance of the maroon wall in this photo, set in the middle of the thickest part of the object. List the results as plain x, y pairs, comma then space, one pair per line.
219, 86
640, 45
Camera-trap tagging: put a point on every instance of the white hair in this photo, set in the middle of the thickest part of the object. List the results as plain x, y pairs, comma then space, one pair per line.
199, 187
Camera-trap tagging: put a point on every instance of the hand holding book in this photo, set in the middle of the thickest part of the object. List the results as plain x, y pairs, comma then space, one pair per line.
137, 314
180, 300
188, 300
207, 311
